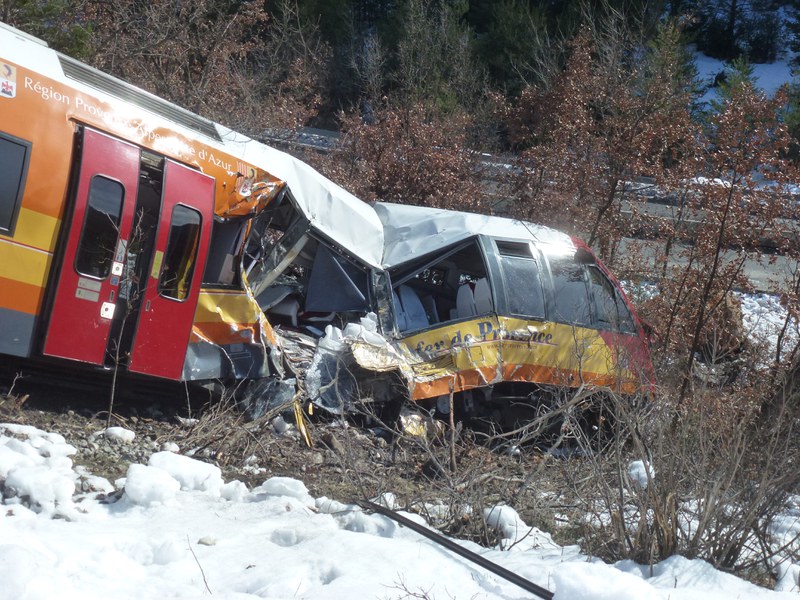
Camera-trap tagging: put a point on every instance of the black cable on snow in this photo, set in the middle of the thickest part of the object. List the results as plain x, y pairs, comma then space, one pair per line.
525, 584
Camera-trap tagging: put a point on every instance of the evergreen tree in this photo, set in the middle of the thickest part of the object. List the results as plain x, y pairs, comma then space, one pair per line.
60, 23
793, 26
434, 55
516, 47
792, 117
728, 29
738, 75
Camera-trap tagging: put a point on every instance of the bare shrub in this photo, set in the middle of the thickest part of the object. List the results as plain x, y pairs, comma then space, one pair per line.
223, 433
226, 61
618, 111
710, 478
12, 403
408, 156
490, 469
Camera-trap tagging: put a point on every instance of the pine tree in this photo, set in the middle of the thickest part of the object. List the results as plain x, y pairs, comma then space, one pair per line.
434, 56
60, 23
516, 47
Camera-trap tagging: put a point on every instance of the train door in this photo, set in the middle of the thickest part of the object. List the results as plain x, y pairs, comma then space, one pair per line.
125, 296
169, 298
95, 250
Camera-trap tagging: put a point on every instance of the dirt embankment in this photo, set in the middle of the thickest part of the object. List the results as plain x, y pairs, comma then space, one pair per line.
344, 460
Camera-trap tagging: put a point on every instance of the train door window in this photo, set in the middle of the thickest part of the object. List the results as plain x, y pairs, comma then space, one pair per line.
570, 292
443, 286
14, 157
100, 231
180, 257
523, 285
609, 308
142, 240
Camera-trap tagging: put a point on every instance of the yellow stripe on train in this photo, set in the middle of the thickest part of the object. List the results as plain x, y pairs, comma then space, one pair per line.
489, 342
225, 306
36, 229
20, 263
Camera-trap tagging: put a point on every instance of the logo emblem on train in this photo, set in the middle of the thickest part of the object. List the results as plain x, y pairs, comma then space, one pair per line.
8, 80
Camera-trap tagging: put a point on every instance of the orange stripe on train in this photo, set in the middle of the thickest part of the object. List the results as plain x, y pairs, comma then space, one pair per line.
20, 296
476, 378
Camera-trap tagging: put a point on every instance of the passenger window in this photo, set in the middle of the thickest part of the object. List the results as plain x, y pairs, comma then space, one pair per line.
181, 255
100, 228
14, 156
522, 281
570, 293
440, 287
610, 309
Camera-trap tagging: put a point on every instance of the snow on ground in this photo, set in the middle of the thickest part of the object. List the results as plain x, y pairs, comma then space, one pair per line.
174, 528
763, 318
767, 76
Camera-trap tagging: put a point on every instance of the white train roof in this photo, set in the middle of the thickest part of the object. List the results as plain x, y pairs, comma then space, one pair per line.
332, 210
411, 232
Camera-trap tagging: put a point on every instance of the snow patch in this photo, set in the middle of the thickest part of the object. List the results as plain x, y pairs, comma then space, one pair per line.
119, 434
19, 568
285, 487
192, 474
595, 581
148, 485
640, 474
234, 491
516, 534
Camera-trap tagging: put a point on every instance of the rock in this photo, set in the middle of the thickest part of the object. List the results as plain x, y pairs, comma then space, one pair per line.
329, 440
280, 425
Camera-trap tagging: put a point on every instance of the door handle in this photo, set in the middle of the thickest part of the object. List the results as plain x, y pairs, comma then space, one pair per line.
147, 306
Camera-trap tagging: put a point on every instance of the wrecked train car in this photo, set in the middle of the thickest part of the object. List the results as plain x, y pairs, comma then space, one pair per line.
505, 314
139, 237
501, 313
129, 230
122, 223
